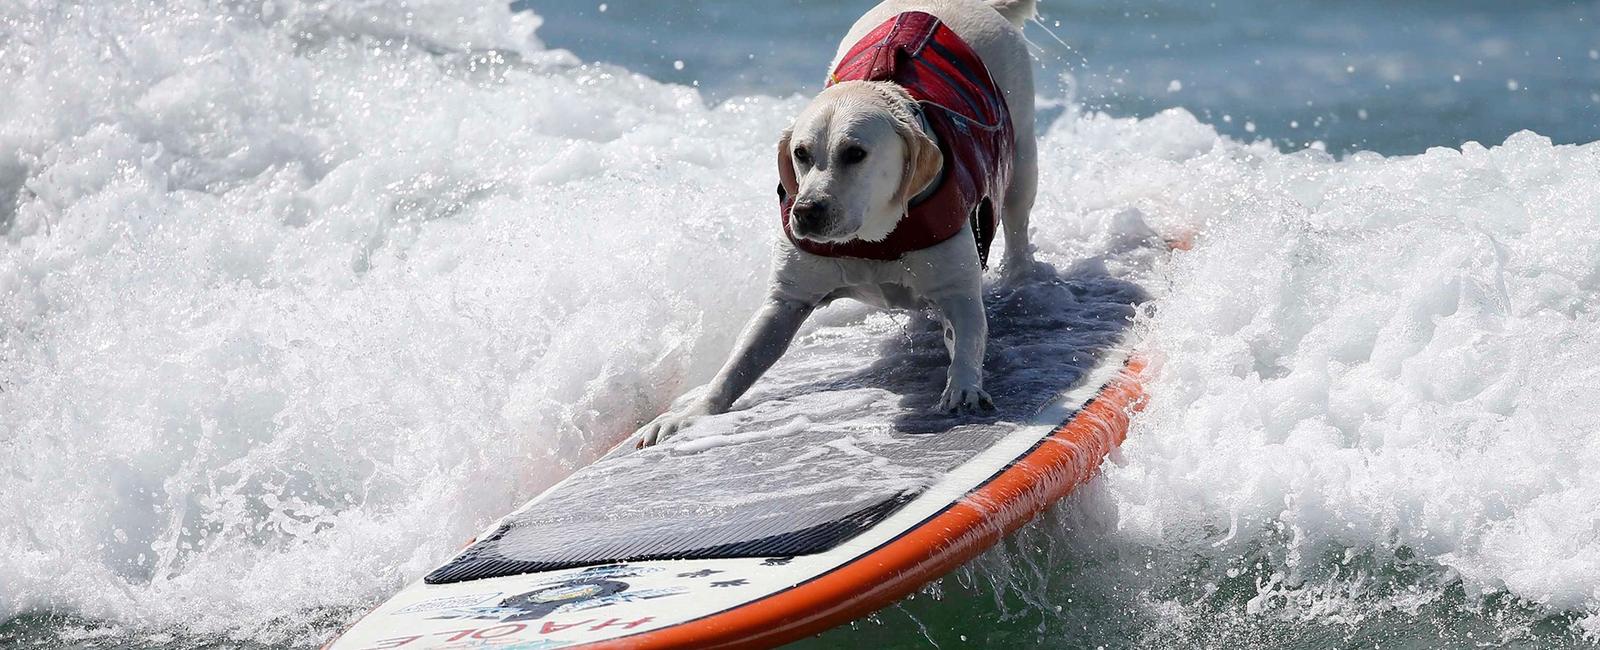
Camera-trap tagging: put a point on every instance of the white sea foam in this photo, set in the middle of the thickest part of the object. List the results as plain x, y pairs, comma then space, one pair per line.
1394, 355
295, 297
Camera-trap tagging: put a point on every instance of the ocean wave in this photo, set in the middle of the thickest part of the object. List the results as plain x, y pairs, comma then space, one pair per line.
297, 296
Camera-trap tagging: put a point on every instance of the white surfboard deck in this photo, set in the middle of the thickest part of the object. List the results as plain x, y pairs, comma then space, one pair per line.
640, 594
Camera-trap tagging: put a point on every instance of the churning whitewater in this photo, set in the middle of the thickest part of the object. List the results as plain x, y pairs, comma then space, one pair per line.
296, 297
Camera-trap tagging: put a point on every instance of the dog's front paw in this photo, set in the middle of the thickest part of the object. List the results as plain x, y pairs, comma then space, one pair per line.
965, 397
667, 424
1016, 271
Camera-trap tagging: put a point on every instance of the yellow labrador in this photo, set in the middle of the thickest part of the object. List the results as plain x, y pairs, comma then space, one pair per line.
891, 178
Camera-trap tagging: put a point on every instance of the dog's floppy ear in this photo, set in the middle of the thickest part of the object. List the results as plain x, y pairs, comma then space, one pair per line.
786, 177
923, 163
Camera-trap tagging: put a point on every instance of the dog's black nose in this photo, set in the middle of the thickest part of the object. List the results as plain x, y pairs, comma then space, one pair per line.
808, 214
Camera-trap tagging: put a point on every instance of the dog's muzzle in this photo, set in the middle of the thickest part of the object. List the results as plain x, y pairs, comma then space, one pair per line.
809, 218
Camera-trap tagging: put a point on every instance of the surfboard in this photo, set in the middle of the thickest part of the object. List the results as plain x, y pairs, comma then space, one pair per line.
829, 492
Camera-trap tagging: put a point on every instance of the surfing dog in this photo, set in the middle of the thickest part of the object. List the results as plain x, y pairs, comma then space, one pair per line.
892, 182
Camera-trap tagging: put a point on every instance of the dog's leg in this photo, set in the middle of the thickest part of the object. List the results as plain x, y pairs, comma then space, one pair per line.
966, 332
764, 340
1019, 199
947, 276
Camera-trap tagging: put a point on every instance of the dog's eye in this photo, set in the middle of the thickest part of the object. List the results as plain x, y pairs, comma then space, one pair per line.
802, 156
853, 155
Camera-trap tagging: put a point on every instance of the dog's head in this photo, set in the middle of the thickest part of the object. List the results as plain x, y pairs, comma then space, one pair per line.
853, 160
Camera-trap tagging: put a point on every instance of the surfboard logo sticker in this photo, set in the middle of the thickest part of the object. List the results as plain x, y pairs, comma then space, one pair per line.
541, 602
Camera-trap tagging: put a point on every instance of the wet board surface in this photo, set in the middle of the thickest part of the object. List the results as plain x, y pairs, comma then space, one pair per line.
832, 489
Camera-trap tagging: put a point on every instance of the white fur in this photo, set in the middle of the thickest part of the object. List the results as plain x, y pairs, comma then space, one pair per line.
862, 198
865, 201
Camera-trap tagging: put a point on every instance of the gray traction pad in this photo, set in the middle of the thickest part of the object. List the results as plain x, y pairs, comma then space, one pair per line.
838, 436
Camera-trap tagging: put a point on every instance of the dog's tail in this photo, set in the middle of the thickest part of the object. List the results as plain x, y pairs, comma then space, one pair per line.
1016, 11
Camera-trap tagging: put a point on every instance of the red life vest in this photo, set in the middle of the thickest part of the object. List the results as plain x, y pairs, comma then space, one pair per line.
966, 111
